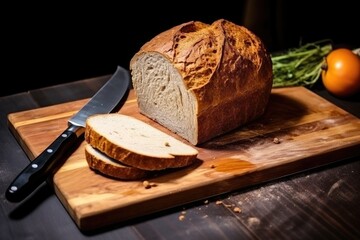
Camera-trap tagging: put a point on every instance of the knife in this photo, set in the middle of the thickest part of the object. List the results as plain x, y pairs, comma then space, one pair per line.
106, 100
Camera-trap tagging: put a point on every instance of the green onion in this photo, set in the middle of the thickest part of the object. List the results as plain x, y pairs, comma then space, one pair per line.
300, 66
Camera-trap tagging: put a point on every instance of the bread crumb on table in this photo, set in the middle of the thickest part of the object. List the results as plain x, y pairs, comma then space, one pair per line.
234, 208
237, 209
182, 215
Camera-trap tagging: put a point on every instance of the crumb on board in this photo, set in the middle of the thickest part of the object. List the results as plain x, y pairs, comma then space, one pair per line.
276, 140
167, 144
148, 184
212, 166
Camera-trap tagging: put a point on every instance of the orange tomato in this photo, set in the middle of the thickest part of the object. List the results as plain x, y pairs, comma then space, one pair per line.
341, 72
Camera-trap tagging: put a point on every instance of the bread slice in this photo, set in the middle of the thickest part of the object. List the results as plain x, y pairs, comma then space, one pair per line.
136, 143
202, 80
100, 162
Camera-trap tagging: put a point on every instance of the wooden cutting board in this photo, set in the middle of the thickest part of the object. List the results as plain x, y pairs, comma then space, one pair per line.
311, 132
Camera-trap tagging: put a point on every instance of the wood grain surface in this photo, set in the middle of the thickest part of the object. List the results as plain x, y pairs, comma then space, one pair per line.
310, 131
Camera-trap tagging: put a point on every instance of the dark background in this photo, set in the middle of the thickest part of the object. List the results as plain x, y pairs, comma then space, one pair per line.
46, 45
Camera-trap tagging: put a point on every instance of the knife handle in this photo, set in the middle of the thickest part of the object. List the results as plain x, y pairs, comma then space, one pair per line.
43, 166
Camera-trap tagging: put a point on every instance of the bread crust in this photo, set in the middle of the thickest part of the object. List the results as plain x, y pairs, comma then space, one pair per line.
115, 170
224, 65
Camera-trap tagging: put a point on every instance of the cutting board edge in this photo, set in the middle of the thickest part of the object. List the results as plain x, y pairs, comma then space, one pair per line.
254, 178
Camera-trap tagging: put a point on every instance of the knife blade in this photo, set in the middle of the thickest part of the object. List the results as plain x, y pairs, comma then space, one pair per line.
106, 100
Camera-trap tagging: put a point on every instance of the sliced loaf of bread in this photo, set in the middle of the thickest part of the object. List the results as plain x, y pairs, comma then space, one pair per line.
136, 143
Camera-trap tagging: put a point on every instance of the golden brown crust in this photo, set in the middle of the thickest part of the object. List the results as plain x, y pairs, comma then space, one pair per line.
114, 170
145, 162
225, 65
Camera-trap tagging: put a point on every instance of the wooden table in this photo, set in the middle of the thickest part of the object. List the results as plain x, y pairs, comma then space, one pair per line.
317, 203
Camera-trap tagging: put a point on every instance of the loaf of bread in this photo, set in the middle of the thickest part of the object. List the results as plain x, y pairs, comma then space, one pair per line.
134, 143
109, 167
201, 80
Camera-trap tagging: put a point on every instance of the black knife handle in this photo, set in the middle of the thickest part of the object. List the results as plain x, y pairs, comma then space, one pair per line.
43, 166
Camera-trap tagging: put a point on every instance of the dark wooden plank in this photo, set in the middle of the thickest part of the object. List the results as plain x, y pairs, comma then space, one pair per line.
9, 144
318, 203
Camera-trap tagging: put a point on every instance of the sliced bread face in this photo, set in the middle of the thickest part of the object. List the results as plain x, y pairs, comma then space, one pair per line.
136, 143
100, 162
